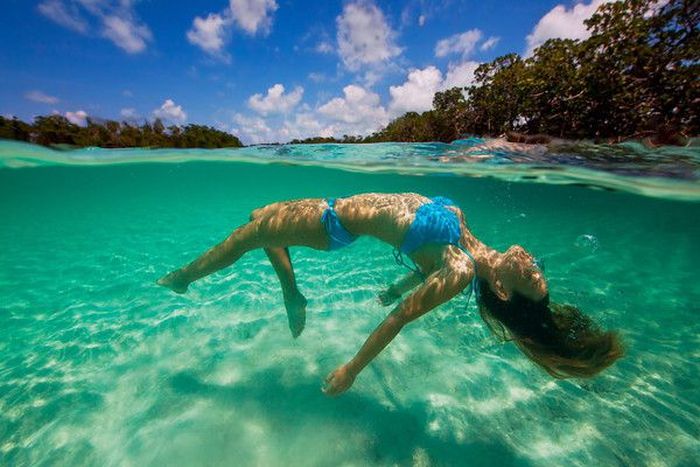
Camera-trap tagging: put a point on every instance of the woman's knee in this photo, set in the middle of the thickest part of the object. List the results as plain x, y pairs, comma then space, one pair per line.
264, 211
255, 214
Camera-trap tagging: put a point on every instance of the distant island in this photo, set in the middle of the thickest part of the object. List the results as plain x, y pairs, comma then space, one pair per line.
636, 76
55, 130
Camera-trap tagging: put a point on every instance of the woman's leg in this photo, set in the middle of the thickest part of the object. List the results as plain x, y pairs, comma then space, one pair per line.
270, 227
294, 301
242, 240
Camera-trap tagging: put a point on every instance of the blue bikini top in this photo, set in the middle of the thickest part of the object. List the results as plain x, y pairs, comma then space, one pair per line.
434, 223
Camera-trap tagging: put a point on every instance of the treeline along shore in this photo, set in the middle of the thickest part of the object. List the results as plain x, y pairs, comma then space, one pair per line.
57, 130
636, 76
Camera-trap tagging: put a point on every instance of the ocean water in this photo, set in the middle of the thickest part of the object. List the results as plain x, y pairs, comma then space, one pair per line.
99, 366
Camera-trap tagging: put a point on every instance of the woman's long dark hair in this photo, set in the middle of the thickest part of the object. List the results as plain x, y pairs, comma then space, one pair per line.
559, 338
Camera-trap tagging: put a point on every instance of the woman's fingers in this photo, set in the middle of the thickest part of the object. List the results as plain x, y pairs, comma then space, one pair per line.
329, 389
332, 384
386, 298
338, 381
328, 383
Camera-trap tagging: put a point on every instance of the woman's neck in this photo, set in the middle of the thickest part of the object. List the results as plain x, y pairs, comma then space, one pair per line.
486, 258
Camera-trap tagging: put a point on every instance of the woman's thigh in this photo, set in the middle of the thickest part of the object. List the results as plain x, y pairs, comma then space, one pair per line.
294, 223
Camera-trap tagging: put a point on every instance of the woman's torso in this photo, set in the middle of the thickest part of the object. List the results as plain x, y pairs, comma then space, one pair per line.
384, 216
387, 217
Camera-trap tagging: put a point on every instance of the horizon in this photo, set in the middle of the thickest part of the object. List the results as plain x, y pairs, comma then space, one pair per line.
342, 68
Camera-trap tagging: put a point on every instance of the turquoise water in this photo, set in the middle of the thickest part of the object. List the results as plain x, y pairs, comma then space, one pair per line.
98, 366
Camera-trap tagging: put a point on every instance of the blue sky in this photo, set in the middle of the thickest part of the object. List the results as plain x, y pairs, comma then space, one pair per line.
266, 70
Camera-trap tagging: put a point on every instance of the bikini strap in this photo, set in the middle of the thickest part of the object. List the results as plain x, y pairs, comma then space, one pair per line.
398, 257
469, 255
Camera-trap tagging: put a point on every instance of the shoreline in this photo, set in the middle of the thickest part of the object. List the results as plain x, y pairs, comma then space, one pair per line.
525, 143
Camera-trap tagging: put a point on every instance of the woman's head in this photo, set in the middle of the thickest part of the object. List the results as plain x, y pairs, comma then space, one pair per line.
516, 271
559, 338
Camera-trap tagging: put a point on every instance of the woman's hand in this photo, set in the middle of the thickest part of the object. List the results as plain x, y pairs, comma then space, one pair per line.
387, 297
339, 381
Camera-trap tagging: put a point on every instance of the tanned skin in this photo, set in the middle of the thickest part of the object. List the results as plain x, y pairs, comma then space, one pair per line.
447, 269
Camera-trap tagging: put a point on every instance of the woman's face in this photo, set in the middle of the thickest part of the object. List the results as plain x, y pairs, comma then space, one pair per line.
519, 273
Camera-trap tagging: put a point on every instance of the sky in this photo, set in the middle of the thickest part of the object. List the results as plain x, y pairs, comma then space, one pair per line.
264, 70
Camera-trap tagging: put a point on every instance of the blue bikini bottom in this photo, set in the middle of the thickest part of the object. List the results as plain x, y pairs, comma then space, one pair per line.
338, 236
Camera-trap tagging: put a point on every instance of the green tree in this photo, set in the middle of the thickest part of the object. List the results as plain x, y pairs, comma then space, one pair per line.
450, 118
496, 100
14, 128
54, 129
554, 96
641, 66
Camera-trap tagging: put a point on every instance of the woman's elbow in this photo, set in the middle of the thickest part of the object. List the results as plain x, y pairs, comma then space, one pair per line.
397, 320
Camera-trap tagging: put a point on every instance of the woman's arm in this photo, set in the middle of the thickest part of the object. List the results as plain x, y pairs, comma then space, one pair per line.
438, 288
400, 287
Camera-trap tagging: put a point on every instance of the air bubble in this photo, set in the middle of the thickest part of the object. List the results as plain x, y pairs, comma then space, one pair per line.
587, 241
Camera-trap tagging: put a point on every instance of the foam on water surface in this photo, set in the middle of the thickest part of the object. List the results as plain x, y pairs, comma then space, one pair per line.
98, 366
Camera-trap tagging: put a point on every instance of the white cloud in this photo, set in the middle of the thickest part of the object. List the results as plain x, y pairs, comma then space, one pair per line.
125, 33
304, 125
358, 112
68, 17
129, 113
253, 15
317, 77
371, 77
38, 96
253, 129
462, 44
275, 101
209, 33
490, 43
416, 94
324, 47
364, 36
421, 20
78, 117
117, 18
561, 22
460, 75
170, 111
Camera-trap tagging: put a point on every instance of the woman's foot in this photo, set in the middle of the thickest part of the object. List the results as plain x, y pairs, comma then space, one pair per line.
174, 282
296, 313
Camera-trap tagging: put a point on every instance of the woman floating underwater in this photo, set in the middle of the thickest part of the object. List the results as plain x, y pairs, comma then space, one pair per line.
510, 290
